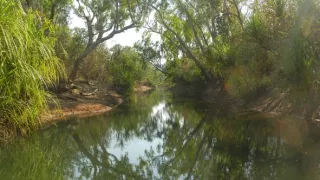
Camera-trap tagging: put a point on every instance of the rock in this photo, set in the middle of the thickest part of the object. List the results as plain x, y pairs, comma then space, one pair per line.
73, 86
317, 120
75, 91
86, 94
66, 97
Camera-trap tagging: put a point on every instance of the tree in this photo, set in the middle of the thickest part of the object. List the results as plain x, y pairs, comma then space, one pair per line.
125, 67
94, 65
105, 19
196, 29
150, 52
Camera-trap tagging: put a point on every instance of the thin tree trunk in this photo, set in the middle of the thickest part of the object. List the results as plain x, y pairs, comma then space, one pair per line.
75, 69
29, 3
79, 61
51, 18
53, 12
26, 5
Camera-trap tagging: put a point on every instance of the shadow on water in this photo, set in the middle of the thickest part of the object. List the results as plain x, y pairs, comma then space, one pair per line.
161, 137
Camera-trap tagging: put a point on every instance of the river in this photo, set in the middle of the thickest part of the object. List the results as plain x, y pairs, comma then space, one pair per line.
161, 136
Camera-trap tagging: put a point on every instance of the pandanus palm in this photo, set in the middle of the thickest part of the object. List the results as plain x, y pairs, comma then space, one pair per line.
27, 65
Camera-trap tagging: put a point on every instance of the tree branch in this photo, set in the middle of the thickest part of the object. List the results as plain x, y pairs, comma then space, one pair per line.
207, 75
114, 32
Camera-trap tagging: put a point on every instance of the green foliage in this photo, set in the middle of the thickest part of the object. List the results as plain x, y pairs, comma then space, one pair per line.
27, 64
219, 58
57, 11
198, 31
95, 64
184, 70
70, 45
208, 42
241, 82
277, 44
127, 69
256, 27
104, 20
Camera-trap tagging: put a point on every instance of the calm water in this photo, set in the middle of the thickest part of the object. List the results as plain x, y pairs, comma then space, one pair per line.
159, 136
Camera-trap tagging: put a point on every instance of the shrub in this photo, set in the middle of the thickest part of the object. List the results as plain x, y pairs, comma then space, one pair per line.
27, 65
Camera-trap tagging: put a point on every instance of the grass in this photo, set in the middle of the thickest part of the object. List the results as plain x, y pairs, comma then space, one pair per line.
27, 65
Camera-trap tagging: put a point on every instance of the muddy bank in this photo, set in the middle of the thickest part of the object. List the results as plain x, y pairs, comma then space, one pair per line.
83, 101
77, 105
281, 103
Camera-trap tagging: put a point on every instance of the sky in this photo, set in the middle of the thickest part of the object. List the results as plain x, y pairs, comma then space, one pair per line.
127, 38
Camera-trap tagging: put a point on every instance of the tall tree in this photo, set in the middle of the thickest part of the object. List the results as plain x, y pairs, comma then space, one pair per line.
150, 52
195, 29
105, 19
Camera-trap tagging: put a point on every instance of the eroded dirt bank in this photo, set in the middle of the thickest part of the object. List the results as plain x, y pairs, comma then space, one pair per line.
77, 105
84, 100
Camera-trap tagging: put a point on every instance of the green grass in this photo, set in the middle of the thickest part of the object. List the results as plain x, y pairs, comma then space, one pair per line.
27, 65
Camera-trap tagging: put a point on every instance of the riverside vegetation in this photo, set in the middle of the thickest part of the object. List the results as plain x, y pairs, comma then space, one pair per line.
247, 50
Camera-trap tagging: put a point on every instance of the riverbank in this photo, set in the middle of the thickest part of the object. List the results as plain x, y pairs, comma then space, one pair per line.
280, 109
273, 101
81, 100
85, 101
78, 105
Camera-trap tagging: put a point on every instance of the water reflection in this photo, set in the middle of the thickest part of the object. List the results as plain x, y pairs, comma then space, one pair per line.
159, 137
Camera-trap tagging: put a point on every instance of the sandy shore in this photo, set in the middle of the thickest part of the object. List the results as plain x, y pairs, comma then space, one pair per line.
79, 105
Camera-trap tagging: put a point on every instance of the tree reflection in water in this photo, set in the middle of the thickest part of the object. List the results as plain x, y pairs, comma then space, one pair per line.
160, 137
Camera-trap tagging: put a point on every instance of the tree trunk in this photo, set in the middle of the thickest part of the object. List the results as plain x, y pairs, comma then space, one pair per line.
26, 5
75, 69
51, 18
79, 60
52, 12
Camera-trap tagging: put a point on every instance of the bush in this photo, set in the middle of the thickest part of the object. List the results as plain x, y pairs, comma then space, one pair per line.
242, 83
27, 65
